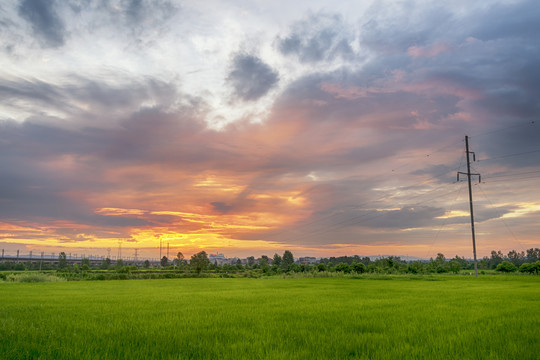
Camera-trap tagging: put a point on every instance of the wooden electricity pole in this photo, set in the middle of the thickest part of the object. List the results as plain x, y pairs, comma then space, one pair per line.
468, 173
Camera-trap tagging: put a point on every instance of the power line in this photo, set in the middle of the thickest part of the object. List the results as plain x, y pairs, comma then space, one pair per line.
509, 155
507, 175
513, 179
445, 221
502, 218
504, 128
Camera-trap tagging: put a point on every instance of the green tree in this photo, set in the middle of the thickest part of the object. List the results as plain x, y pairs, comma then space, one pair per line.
199, 261
515, 257
85, 264
264, 261
506, 266
250, 260
358, 267
276, 260
62, 261
321, 267
537, 267
454, 266
531, 268
343, 267
495, 259
533, 255
146, 264
179, 259
164, 261
287, 260
415, 267
526, 268
105, 264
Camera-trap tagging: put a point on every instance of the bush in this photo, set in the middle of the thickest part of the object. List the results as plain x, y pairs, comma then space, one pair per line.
531, 268
358, 267
343, 267
33, 277
506, 266
321, 267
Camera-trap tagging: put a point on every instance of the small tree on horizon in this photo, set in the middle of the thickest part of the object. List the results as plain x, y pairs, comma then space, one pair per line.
287, 260
164, 261
276, 260
199, 261
62, 261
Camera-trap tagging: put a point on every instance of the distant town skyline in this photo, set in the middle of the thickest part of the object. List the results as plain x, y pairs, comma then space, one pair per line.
250, 128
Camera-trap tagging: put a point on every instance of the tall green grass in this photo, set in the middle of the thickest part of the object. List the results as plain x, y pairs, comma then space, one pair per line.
31, 277
317, 318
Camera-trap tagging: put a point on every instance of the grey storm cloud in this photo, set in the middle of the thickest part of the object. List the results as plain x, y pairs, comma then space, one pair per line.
106, 103
515, 20
321, 37
47, 26
393, 32
141, 16
250, 77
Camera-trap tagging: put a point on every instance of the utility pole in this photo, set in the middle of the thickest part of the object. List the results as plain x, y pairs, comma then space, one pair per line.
119, 256
468, 173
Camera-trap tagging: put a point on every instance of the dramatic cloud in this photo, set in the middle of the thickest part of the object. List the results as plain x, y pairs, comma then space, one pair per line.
250, 77
46, 24
239, 129
321, 37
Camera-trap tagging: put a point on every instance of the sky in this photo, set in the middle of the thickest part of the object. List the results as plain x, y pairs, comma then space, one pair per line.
252, 127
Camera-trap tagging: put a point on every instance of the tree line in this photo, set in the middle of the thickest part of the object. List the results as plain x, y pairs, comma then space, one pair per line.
525, 262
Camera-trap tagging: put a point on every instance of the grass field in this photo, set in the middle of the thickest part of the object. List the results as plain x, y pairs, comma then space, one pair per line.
449, 317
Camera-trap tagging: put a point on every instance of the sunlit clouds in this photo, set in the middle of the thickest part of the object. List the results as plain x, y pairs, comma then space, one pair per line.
247, 129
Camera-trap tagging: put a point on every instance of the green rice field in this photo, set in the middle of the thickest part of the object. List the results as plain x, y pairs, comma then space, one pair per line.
447, 317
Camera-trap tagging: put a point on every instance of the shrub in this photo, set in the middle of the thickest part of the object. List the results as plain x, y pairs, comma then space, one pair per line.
358, 267
33, 277
506, 266
343, 267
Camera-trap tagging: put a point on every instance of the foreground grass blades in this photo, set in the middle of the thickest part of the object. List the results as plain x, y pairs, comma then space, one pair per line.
317, 318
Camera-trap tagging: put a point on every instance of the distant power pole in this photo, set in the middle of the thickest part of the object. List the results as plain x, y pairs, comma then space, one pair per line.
167, 249
468, 173
119, 256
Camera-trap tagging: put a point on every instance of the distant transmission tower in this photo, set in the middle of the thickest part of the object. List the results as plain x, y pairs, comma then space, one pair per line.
136, 251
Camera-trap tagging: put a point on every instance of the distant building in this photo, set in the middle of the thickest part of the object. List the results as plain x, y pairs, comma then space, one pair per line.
219, 259
307, 260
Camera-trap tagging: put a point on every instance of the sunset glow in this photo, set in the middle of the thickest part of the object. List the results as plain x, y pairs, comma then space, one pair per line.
240, 128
